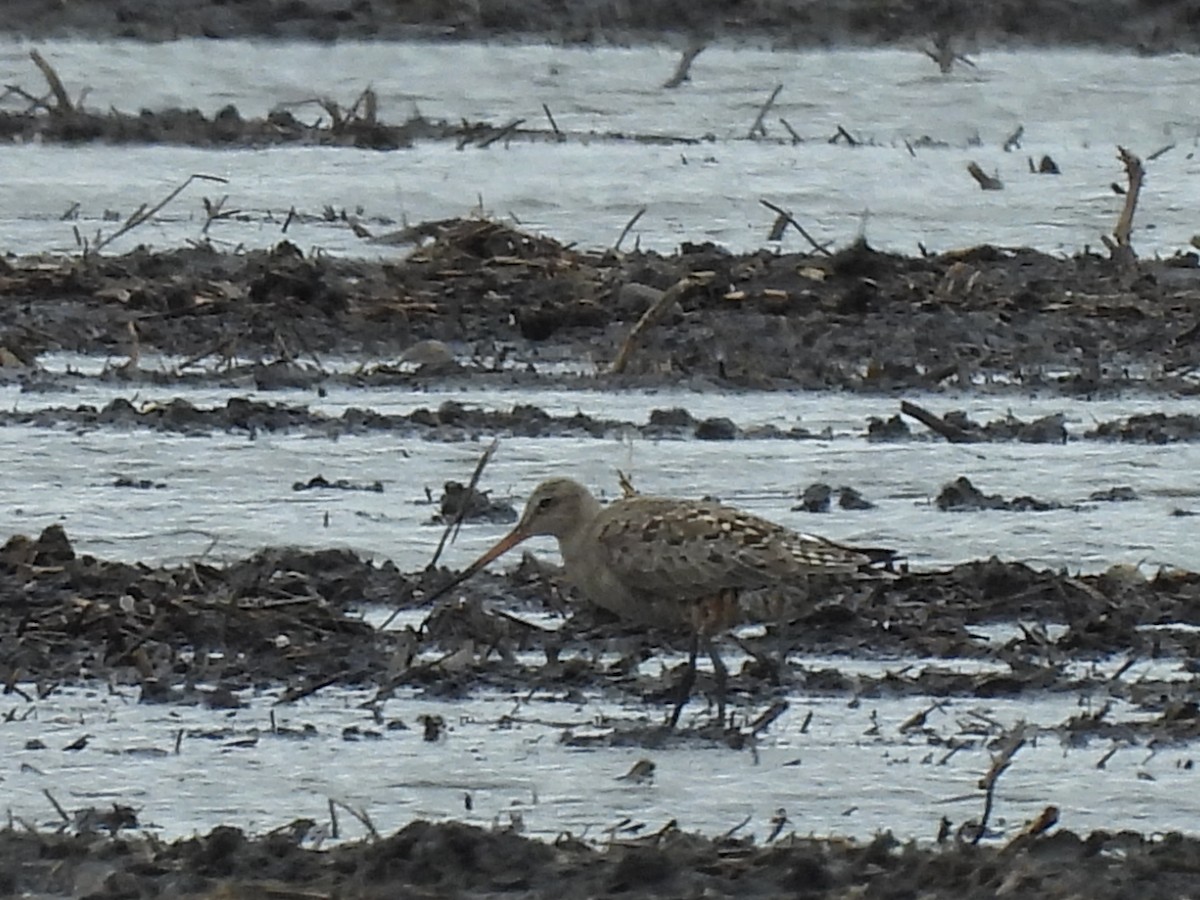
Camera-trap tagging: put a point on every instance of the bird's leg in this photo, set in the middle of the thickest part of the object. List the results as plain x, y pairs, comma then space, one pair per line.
689, 681
720, 676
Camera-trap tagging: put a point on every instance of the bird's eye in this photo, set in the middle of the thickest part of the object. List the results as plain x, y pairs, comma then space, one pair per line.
545, 503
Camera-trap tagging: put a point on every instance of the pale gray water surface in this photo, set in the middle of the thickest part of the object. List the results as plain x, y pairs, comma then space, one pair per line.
851, 772
1069, 103
228, 495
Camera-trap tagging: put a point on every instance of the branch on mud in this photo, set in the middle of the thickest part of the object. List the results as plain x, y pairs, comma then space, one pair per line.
1119, 246
683, 70
785, 218
758, 129
364, 110
654, 315
360, 814
142, 215
62, 103
629, 227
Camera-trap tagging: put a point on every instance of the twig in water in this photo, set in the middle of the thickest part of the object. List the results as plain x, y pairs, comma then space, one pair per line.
796, 139
683, 70
143, 215
333, 820
558, 135
1000, 763
738, 827
452, 528
629, 227
359, 814
500, 135
758, 128
985, 181
843, 135
951, 432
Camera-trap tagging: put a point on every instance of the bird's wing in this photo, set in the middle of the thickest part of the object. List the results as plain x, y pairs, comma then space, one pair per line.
665, 547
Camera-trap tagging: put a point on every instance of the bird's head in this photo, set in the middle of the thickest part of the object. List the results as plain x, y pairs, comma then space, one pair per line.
556, 508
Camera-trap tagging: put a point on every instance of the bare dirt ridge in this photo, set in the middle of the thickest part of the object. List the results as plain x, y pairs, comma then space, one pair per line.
1145, 25
857, 319
425, 859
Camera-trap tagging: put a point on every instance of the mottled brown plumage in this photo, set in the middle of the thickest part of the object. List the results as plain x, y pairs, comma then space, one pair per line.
649, 559
669, 563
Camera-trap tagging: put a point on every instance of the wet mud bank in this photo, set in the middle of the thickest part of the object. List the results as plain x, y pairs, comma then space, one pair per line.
499, 303
219, 635
454, 422
283, 625
1133, 24
458, 860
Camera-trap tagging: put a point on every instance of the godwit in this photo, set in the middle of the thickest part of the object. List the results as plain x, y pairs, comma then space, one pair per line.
671, 563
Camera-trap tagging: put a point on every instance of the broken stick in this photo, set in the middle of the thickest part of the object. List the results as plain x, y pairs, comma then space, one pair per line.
986, 182
683, 70
787, 219
1119, 246
758, 129
936, 423
62, 103
655, 314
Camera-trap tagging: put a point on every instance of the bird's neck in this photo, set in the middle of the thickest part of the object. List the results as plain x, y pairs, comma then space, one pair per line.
575, 541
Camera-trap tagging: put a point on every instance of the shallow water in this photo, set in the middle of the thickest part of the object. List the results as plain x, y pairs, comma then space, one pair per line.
226, 495
850, 772
1068, 102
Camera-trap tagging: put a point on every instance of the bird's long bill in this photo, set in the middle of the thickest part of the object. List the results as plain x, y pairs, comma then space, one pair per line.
501, 547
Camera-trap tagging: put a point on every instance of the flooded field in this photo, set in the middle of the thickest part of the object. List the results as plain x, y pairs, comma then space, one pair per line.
904, 185
225, 465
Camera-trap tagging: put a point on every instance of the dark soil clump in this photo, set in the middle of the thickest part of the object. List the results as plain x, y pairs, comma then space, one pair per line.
478, 282
451, 859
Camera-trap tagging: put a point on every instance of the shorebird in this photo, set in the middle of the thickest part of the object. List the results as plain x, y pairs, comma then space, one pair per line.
669, 563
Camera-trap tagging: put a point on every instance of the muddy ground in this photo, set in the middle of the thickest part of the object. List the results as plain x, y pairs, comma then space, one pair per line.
201, 634
1152, 26
507, 303
480, 303
458, 860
